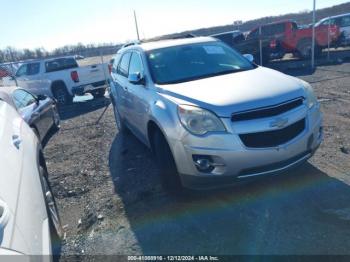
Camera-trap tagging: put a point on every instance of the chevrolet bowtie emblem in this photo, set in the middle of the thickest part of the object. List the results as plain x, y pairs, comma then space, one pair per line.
279, 122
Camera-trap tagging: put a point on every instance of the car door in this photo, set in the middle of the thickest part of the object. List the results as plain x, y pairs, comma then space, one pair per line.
120, 82
138, 96
30, 110
28, 76
344, 25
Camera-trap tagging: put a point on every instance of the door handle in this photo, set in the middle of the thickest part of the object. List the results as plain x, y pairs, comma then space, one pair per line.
16, 141
125, 88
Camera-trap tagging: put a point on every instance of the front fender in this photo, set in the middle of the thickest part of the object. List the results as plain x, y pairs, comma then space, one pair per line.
164, 115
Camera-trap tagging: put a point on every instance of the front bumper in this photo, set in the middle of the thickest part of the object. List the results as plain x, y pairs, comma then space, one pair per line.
234, 162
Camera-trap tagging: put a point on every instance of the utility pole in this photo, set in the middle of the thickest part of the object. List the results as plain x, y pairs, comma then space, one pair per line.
137, 28
313, 36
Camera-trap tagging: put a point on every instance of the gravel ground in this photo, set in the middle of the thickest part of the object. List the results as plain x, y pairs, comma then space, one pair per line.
110, 200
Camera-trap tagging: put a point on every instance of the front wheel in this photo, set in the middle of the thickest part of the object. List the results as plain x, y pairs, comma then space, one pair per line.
118, 120
61, 94
168, 172
56, 229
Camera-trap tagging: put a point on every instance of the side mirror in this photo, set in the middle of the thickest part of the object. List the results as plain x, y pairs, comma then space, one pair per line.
41, 97
249, 57
136, 78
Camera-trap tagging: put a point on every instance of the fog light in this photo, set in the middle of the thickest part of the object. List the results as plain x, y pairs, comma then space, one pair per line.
203, 163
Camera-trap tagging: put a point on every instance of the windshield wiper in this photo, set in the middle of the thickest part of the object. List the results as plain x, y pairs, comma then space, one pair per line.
204, 76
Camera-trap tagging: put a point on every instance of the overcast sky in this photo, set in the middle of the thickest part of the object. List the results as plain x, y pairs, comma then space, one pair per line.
50, 24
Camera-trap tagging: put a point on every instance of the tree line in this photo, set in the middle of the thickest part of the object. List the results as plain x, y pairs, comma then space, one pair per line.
11, 54
302, 18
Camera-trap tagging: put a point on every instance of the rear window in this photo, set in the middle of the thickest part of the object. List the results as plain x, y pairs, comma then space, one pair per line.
273, 29
123, 67
60, 64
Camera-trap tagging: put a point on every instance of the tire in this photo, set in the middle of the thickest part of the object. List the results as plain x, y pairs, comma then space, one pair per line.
98, 93
55, 226
118, 120
61, 94
169, 176
304, 48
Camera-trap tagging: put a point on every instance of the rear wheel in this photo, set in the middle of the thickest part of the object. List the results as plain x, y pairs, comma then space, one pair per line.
168, 172
304, 48
118, 120
98, 93
61, 94
56, 229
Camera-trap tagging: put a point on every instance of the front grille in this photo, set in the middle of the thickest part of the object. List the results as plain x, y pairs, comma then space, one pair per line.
273, 138
267, 111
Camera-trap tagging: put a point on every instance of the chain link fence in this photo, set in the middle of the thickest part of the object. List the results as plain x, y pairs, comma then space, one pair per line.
288, 41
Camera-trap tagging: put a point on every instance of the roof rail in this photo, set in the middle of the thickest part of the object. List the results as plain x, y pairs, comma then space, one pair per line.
189, 35
131, 43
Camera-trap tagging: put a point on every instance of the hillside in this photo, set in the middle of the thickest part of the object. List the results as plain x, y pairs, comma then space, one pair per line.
300, 18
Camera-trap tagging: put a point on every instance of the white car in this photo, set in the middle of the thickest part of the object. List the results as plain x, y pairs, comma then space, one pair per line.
61, 78
343, 22
29, 221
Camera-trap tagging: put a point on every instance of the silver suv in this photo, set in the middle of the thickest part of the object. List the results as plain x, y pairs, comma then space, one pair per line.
210, 115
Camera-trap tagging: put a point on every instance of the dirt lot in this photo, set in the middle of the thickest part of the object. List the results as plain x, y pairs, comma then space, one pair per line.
110, 201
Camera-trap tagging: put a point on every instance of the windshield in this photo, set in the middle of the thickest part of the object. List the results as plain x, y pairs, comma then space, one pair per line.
183, 63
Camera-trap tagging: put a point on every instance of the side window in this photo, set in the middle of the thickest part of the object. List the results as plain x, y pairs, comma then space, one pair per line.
123, 67
294, 26
115, 63
22, 98
253, 34
329, 21
345, 21
135, 64
273, 29
60, 64
33, 69
22, 70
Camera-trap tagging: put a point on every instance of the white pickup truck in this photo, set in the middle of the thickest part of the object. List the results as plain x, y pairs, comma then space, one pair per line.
61, 78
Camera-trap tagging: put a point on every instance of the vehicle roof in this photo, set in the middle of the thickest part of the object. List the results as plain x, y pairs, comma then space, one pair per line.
335, 16
170, 42
227, 32
45, 59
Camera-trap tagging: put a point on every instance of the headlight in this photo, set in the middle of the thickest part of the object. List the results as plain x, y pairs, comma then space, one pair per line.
199, 121
310, 95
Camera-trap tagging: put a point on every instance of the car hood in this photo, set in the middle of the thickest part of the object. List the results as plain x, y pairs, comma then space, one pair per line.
236, 92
